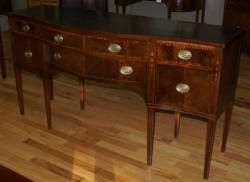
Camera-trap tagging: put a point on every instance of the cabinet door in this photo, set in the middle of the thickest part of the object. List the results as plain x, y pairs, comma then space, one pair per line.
28, 53
185, 89
102, 68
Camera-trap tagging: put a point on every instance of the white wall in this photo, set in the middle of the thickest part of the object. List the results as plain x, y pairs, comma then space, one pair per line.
214, 11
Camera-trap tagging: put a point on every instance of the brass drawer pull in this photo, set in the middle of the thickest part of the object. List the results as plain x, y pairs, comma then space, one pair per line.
115, 48
58, 38
57, 56
184, 54
28, 54
26, 28
182, 88
126, 70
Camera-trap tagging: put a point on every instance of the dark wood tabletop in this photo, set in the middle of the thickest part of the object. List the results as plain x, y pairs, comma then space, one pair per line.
129, 24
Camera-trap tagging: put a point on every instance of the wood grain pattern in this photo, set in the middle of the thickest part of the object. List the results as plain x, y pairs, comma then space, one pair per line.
83, 145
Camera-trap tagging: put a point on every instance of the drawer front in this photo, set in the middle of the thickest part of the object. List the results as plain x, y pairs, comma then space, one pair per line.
133, 49
105, 46
133, 71
62, 38
189, 89
25, 27
183, 54
28, 53
139, 49
134, 74
102, 68
67, 59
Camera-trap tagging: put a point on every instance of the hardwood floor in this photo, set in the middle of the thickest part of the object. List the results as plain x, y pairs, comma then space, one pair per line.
107, 141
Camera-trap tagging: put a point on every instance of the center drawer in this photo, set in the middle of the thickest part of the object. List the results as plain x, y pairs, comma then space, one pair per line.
139, 50
104, 46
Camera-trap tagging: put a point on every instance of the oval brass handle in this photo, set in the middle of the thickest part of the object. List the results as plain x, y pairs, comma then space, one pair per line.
182, 88
28, 54
57, 56
58, 38
184, 54
115, 48
126, 70
26, 28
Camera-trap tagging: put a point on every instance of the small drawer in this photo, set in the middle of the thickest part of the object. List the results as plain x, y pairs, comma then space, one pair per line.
133, 71
26, 27
133, 74
102, 68
183, 54
28, 53
105, 46
185, 88
67, 59
62, 38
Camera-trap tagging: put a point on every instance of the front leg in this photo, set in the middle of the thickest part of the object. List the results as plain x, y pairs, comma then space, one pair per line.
82, 94
19, 87
150, 134
47, 95
211, 125
177, 124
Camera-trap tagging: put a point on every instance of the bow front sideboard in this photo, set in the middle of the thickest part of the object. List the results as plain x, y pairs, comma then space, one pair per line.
178, 66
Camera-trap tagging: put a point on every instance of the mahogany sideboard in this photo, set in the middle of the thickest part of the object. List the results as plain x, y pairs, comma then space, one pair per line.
178, 66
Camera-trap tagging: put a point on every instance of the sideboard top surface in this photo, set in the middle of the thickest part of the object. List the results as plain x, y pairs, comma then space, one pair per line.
129, 24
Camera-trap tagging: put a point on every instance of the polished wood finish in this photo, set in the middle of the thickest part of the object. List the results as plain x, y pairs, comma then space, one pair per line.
47, 96
172, 6
211, 126
2, 59
107, 141
154, 60
82, 95
237, 14
19, 87
177, 116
